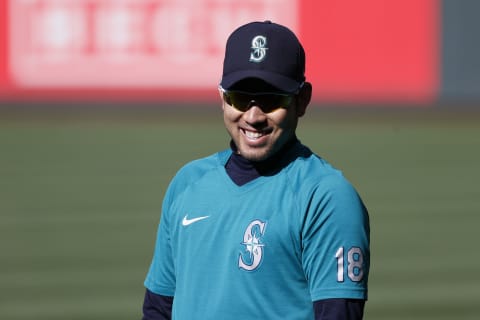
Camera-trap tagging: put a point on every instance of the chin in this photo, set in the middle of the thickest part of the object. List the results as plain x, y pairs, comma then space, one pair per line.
255, 155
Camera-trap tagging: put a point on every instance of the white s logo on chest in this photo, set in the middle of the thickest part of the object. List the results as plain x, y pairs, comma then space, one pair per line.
253, 255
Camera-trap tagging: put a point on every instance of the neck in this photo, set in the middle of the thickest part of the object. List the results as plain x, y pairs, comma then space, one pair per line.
242, 170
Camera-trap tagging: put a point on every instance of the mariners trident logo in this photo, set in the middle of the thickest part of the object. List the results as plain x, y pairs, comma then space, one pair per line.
259, 49
253, 253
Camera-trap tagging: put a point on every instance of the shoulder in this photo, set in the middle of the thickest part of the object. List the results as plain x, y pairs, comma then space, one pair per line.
309, 170
191, 173
319, 184
196, 169
199, 167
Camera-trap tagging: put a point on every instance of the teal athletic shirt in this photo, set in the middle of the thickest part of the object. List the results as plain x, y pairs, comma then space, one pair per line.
263, 250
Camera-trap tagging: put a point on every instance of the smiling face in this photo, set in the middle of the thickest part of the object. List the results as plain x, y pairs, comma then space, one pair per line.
259, 134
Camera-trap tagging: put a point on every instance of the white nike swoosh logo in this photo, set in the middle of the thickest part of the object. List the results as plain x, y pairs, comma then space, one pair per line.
186, 221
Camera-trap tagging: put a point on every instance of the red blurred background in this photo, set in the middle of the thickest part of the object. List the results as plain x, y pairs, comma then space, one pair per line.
169, 50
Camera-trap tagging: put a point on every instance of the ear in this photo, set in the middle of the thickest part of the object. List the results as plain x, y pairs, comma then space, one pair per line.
303, 98
221, 98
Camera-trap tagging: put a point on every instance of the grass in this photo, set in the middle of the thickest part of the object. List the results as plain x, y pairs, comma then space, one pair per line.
80, 197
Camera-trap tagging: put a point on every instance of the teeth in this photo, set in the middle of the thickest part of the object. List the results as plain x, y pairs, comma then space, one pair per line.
253, 135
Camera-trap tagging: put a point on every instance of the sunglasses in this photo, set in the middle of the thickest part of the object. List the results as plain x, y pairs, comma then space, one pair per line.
267, 101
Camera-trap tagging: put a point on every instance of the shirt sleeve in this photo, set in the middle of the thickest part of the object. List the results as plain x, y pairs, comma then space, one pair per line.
335, 241
161, 275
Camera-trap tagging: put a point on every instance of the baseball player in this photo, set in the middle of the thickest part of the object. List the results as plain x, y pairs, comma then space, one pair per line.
265, 229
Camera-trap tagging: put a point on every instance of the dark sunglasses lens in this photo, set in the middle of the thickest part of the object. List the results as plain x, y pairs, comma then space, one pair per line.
240, 101
267, 102
272, 102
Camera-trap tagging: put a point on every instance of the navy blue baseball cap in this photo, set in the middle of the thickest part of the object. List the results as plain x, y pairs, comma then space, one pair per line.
266, 51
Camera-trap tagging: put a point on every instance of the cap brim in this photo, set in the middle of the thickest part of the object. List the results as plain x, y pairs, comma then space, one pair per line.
277, 80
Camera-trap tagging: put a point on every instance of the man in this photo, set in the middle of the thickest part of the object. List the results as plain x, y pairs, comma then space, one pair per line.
265, 229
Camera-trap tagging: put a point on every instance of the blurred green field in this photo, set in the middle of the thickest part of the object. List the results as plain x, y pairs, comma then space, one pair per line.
80, 197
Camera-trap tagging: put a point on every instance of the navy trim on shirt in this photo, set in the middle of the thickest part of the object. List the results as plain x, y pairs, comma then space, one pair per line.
339, 309
158, 307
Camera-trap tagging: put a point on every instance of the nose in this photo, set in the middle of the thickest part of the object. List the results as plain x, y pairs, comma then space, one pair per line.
254, 114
